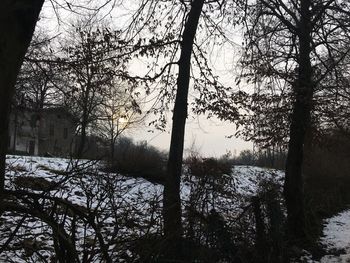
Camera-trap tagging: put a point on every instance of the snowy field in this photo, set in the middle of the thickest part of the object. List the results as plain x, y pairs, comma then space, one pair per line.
111, 200
120, 209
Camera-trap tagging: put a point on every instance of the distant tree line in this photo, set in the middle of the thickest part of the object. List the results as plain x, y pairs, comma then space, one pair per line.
269, 157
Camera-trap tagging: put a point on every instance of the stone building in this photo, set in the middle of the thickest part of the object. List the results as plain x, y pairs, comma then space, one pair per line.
50, 131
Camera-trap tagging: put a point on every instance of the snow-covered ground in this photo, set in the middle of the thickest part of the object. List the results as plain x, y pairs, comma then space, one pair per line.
125, 208
336, 238
113, 201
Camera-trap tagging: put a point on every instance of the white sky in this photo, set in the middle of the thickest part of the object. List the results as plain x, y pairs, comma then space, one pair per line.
208, 136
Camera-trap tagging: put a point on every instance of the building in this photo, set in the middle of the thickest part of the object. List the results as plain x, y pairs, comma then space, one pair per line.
50, 131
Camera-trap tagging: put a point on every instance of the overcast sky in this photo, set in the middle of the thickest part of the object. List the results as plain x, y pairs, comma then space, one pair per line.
208, 136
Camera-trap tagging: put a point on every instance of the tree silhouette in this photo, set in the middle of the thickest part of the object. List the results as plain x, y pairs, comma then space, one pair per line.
19, 18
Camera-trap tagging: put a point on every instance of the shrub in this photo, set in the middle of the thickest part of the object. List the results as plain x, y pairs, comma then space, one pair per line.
327, 181
34, 183
138, 160
208, 167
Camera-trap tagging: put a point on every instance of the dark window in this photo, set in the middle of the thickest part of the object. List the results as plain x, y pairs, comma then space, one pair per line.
52, 130
33, 120
65, 133
31, 147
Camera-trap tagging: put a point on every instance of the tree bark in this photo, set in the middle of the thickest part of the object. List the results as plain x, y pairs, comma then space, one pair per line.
300, 122
82, 140
172, 202
17, 23
260, 235
84, 124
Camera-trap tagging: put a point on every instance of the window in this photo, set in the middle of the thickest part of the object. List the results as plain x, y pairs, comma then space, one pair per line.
65, 133
52, 130
33, 120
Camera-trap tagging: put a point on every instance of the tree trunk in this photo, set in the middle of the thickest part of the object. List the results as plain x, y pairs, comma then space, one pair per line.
82, 141
112, 151
15, 111
112, 141
172, 203
260, 233
17, 23
86, 113
300, 122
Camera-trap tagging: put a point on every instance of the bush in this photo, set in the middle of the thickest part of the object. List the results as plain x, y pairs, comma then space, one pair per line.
246, 157
208, 167
34, 183
138, 160
326, 171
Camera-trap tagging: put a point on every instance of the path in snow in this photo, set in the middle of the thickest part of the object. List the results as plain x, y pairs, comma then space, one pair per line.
337, 238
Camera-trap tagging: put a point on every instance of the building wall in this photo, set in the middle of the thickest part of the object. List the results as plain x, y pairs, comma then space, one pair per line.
56, 133
23, 132
50, 132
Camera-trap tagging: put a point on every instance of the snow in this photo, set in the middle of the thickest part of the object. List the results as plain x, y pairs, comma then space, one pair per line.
337, 232
82, 184
336, 237
137, 204
134, 205
335, 240
247, 178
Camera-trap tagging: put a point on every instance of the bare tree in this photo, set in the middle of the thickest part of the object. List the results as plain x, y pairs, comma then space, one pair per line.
39, 77
290, 49
172, 201
178, 54
91, 69
19, 18
118, 112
